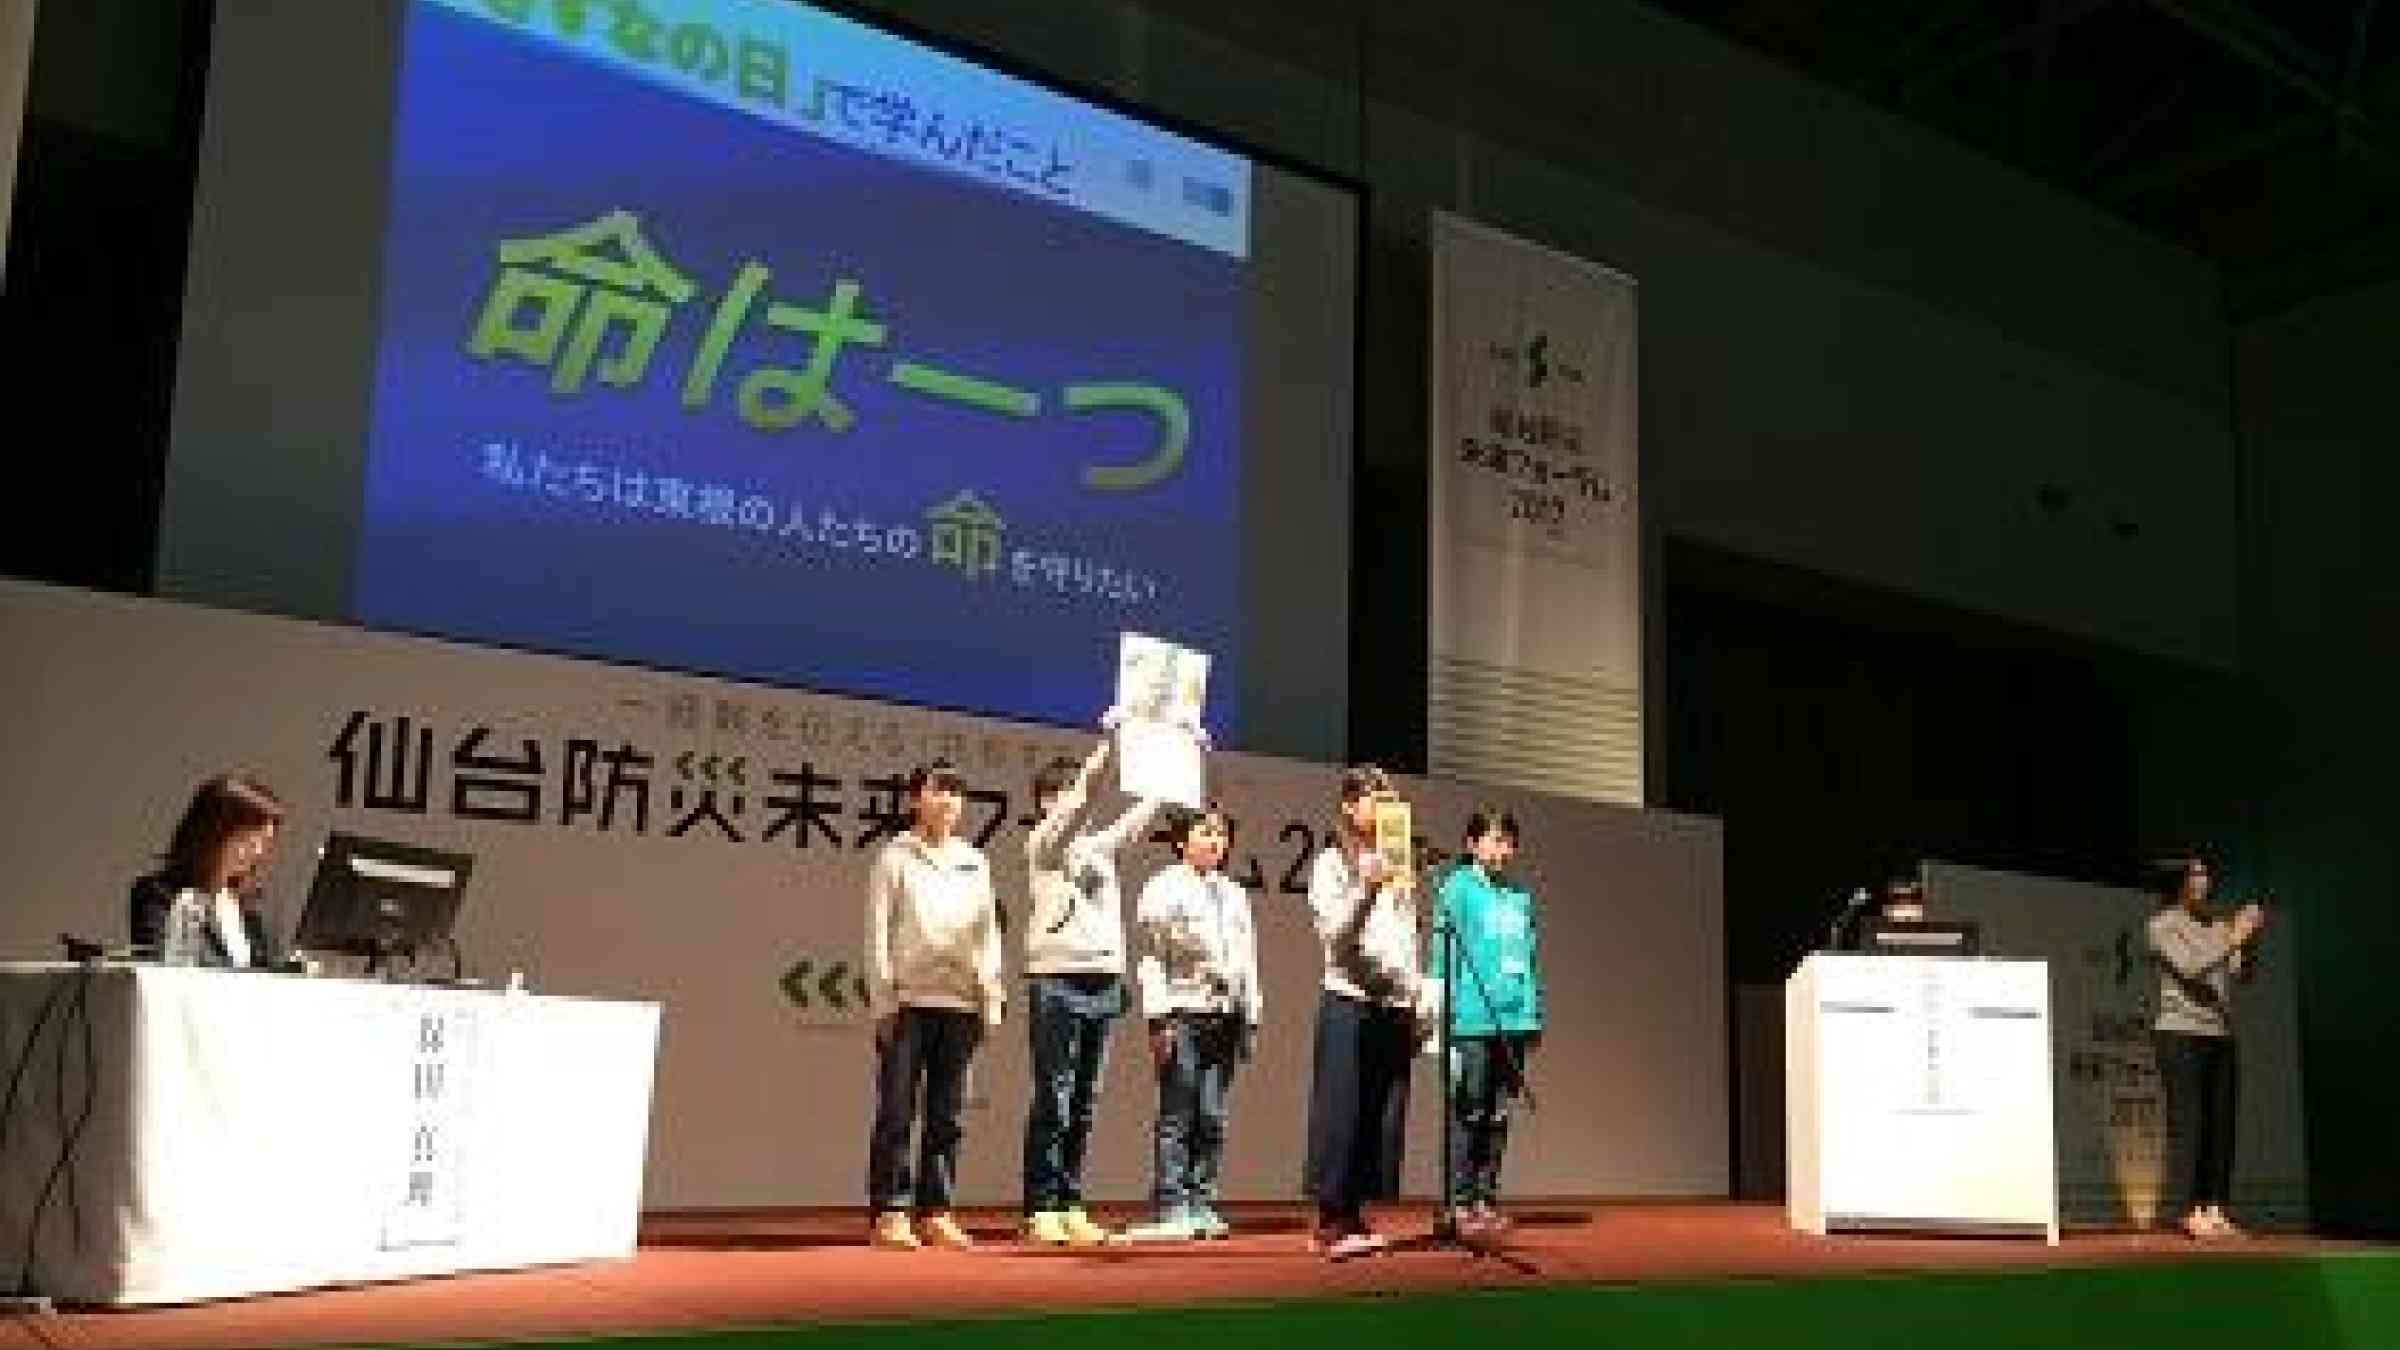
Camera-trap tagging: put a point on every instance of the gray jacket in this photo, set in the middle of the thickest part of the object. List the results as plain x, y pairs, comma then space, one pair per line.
2196, 965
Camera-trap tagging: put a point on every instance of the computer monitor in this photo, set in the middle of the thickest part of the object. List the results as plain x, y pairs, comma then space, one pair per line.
380, 899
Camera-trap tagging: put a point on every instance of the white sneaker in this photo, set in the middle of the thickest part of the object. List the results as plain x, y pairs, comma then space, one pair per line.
1361, 1243
1174, 1227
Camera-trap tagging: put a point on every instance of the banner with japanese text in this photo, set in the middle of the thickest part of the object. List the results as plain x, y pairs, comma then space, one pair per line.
704, 844
1534, 628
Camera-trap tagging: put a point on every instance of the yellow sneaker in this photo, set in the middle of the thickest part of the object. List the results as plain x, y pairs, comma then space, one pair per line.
943, 1231
1080, 1230
1047, 1228
892, 1233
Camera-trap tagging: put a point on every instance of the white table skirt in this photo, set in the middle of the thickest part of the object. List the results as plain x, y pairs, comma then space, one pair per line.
233, 1133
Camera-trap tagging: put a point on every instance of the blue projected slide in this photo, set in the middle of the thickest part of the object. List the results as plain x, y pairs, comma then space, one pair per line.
761, 343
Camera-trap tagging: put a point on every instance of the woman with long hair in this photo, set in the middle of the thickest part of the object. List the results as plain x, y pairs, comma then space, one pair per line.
213, 861
1366, 919
2199, 956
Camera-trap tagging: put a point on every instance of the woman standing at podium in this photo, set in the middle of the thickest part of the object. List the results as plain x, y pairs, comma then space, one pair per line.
2199, 957
212, 862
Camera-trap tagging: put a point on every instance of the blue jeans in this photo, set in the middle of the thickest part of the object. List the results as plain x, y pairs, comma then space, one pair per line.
1068, 1022
1487, 1075
928, 1047
1195, 1087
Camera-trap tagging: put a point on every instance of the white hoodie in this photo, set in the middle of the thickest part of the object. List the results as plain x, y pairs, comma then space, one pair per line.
1078, 922
1195, 948
1378, 961
933, 929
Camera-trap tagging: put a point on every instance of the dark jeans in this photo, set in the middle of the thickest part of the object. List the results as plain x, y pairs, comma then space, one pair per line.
1067, 1025
2200, 1077
1487, 1076
1195, 1087
1361, 1081
928, 1046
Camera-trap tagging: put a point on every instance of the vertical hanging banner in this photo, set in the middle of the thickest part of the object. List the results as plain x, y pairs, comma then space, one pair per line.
1534, 619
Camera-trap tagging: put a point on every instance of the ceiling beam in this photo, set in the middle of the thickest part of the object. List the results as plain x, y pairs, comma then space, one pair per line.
2354, 66
1938, 73
2253, 41
2345, 139
2225, 154
1903, 56
2165, 97
2281, 58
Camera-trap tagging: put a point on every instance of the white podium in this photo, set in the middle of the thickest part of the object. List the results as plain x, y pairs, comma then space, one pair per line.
1917, 1095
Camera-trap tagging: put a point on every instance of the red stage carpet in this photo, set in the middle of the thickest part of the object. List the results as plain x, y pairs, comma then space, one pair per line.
698, 1271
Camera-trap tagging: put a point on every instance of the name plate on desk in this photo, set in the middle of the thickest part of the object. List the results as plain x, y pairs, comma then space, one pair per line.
428, 1200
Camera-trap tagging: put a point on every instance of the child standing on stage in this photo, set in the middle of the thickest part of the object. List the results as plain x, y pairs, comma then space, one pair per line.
1197, 964
1075, 984
934, 984
1494, 988
1366, 1022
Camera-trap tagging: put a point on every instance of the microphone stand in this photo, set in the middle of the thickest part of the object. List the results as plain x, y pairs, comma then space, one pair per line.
1445, 1210
1445, 1234
1856, 905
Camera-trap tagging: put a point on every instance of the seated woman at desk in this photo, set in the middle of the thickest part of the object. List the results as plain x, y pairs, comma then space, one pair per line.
214, 857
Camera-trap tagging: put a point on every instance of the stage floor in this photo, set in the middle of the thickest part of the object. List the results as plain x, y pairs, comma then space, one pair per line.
753, 1268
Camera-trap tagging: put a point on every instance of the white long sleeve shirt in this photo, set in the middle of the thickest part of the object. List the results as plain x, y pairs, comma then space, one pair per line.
933, 929
225, 910
1375, 961
1196, 950
1077, 926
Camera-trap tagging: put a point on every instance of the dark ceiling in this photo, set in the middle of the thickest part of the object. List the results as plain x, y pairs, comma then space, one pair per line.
2264, 134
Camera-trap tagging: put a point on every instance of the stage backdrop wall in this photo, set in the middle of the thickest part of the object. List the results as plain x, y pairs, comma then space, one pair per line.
2103, 995
704, 843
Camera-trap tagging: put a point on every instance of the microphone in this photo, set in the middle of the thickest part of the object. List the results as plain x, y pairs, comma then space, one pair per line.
1859, 899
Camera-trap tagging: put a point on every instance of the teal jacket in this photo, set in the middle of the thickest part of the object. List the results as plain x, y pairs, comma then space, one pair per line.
1498, 986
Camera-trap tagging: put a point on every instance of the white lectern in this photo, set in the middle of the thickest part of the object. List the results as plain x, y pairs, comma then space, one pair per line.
1917, 1095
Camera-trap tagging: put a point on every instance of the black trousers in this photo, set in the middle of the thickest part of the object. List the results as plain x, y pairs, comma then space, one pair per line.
2200, 1076
1356, 1104
927, 1055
